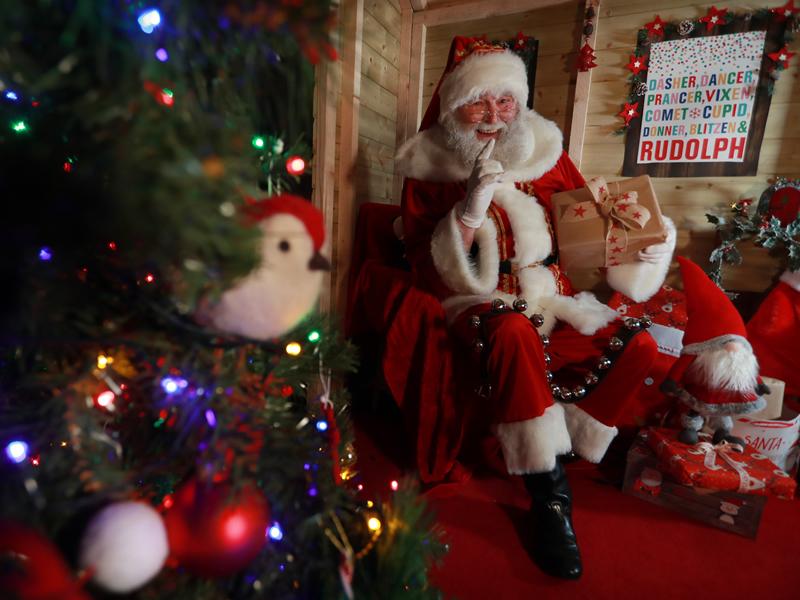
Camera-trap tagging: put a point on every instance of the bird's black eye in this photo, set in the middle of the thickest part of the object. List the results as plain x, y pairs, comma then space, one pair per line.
284, 246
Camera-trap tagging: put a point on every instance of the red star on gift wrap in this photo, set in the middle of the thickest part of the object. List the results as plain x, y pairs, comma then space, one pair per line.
656, 27
616, 250
636, 64
787, 11
586, 58
579, 211
622, 207
613, 239
637, 215
714, 17
629, 112
782, 56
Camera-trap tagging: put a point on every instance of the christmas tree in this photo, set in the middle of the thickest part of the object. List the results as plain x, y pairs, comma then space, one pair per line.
169, 412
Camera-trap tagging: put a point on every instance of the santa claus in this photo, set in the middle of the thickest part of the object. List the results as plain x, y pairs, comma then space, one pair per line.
716, 376
475, 211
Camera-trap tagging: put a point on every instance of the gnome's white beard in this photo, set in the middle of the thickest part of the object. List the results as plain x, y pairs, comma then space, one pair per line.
514, 145
719, 369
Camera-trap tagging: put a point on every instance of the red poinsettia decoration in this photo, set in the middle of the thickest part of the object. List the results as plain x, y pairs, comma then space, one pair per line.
636, 64
714, 17
656, 27
586, 58
629, 112
787, 11
782, 56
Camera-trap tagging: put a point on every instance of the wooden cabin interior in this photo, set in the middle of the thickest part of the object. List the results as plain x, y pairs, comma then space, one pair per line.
393, 52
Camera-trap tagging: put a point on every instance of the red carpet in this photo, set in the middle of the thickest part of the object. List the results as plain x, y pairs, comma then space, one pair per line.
630, 549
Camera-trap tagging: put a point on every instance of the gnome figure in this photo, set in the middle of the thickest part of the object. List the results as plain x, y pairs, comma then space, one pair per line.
716, 376
284, 288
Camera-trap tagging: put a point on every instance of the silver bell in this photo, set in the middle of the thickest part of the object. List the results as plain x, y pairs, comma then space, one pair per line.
646, 322
632, 323
556, 390
578, 392
478, 345
498, 305
604, 363
474, 321
547, 359
566, 395
520, 305
545, 340
615, 343
548, 375
537, 320
591, 378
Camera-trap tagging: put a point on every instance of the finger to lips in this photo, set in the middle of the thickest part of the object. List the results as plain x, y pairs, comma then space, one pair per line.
487, 150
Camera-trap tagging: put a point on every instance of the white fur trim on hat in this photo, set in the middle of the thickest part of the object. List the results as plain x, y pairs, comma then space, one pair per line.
532, 446
493, 72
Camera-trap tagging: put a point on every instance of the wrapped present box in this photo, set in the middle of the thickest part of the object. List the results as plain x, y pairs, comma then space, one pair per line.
646, 480
606, 224
719, 467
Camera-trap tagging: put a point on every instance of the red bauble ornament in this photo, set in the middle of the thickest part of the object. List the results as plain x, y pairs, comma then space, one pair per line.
785, 205
214, 531
35, 570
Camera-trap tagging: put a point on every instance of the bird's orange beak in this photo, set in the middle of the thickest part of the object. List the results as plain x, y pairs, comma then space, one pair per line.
319, 263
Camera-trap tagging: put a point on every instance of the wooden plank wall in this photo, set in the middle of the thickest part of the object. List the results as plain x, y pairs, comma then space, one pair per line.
687, 200
380, 78
557, 28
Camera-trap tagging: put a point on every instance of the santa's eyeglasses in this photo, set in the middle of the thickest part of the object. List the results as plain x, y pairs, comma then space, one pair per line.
504, 106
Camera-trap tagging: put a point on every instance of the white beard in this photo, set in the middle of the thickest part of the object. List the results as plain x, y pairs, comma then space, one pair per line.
722, 370
514, 145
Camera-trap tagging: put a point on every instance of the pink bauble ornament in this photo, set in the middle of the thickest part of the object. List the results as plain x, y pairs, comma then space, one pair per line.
215, 532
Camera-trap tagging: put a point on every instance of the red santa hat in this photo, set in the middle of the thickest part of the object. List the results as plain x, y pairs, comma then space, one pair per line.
475, 67
713, 319
307, 213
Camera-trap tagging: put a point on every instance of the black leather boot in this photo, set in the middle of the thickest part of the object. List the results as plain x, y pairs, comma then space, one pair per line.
553, 545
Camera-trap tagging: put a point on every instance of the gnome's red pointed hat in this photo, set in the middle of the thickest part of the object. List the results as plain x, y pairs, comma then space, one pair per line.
712, 318
476, 66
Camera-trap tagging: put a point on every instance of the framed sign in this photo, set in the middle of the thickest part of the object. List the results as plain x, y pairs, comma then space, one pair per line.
702, 97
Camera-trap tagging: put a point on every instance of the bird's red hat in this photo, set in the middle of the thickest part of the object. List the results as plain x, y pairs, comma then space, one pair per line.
307, 213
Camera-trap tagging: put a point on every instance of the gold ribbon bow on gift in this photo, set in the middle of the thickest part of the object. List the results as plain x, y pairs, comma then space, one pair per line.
620, 211
723, 450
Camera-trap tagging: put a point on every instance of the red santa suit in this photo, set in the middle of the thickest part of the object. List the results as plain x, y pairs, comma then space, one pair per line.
516, 258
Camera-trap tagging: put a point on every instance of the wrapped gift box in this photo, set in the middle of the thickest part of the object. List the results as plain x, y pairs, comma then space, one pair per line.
588, 239
667, 309
731, 511
719, 467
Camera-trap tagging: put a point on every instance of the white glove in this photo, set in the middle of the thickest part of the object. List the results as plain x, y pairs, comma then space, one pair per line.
658, 253
483, 180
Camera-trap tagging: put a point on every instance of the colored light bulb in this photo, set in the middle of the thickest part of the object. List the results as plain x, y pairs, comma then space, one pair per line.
45, 253
11, 95
295, 165
293, 349
149, 20
322, 426
275, 532
374, 524
314, 336
211, 418
19, 126
162, 54
17, 451
106, 399
258, 142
